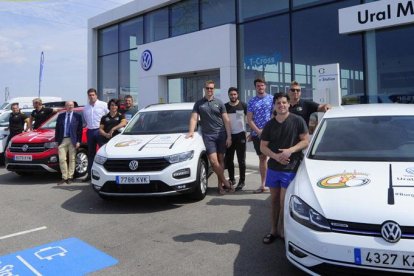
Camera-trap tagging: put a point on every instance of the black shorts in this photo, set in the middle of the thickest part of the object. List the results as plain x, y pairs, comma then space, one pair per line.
256, 143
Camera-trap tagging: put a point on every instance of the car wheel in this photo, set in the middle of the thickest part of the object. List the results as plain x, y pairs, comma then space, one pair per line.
201, 182
81, 163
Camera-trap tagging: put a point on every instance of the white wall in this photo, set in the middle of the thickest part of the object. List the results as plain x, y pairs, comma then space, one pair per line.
211, 49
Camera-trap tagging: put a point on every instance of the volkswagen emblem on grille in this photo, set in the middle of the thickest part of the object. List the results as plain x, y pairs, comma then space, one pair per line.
133, 165
25, 147
391, 231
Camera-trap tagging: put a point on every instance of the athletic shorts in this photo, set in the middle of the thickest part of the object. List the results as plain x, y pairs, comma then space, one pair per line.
215, 142
278, 179
256, 144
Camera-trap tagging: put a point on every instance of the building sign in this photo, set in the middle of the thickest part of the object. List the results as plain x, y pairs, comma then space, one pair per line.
146, 60
261, 60
375, 15
327, 87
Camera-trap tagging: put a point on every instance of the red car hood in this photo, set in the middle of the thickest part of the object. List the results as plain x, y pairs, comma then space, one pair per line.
36, 136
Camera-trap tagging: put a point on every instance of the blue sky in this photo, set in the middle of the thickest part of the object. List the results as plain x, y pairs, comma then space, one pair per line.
59, 29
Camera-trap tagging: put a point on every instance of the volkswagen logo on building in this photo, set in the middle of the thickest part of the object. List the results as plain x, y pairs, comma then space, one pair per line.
146, 60
25, 147
391, 231
133, 165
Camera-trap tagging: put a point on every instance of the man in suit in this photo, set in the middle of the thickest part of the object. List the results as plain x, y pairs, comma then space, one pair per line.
68, 135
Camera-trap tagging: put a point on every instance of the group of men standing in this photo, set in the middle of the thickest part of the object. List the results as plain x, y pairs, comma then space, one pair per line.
279, 131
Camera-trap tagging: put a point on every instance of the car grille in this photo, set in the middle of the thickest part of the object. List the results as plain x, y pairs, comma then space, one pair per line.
144, 165
366, 229
30, 147
152, 187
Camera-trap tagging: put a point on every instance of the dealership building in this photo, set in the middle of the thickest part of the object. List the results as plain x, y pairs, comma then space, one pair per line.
164, 51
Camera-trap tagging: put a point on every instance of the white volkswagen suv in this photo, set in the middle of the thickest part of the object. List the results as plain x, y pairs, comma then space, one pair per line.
153, 157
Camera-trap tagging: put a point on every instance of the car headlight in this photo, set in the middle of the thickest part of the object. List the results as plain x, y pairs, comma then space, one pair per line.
51, 145
99, 159
180, 157
306, 215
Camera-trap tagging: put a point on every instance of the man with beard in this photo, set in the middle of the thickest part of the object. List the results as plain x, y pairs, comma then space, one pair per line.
236, 111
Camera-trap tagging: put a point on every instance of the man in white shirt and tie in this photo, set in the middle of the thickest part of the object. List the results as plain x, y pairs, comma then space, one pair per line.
68, 135
92, 114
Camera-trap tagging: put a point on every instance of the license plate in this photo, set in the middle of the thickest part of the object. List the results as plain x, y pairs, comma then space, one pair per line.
142, 179
384, 258
22, 158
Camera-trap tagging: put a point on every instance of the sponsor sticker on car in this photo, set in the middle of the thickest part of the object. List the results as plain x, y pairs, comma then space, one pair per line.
142, 179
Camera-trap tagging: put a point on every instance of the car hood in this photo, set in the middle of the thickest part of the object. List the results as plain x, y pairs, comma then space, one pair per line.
36, 136
358, 191
125, 146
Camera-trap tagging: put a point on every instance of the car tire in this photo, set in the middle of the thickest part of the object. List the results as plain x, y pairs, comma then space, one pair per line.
200, 191
81, 163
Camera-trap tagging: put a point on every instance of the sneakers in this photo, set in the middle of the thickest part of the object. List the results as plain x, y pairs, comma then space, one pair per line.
240, 185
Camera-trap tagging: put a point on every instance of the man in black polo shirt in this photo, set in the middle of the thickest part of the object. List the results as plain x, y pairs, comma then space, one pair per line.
17, 120
40, 114
216, 132
301, 107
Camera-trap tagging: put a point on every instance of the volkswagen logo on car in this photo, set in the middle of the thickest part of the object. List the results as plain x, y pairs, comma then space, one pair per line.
391, 231
133, 165
146, 60
25, 147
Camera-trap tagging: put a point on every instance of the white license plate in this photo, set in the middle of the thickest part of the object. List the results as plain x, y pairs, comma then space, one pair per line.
22, 158
142, 179
384, 258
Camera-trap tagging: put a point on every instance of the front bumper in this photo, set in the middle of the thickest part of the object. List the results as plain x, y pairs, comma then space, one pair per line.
314, 251
162, 183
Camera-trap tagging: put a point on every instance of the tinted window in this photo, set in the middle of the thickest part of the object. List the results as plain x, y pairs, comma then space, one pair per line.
128, 74
316, 41
251, 9
159, 122
156, 25
374, 138
184, 17
217, 12
108, 77
108, 40
306, 3
131, 34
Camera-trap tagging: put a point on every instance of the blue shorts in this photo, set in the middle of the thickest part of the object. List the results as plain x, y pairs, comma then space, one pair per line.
215, 142
278, 179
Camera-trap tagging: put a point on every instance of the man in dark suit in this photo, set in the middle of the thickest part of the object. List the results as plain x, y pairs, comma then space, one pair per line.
68, 135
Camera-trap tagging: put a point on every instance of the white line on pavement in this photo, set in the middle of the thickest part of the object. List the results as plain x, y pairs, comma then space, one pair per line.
23, 232
28, 266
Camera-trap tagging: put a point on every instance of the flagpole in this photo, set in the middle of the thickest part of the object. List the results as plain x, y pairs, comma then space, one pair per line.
42, 60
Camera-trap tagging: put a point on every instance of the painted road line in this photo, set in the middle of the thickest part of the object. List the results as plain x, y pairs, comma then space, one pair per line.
23, 232
69, 257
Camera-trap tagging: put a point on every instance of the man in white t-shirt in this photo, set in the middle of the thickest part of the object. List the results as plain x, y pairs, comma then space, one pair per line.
236, 111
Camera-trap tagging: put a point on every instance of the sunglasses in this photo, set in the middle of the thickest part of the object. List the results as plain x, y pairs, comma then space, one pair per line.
294, 90
209, 88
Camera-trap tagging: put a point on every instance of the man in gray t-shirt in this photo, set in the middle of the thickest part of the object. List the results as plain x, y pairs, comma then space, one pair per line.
216, 132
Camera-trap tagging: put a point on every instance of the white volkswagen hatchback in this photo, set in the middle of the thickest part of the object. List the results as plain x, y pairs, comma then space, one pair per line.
153, 157
351, 203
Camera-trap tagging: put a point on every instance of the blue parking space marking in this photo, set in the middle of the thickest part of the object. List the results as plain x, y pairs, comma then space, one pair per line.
65, 257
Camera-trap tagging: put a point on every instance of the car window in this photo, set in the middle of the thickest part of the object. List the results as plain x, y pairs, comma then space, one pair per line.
51, 123
154, 122
4, 119
373, 138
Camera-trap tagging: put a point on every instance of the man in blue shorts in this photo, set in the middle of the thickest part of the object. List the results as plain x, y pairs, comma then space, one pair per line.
283, 139
259, 111
216, 131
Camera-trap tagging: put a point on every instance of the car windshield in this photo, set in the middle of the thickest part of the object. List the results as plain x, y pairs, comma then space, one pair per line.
159, 122
373, 138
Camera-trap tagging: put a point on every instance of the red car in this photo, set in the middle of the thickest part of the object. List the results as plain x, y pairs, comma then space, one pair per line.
37, 151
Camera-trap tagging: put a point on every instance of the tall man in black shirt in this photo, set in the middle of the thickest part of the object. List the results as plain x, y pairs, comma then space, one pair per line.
17, 120
282, 140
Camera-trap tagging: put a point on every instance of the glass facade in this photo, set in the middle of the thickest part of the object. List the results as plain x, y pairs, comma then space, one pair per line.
279, 40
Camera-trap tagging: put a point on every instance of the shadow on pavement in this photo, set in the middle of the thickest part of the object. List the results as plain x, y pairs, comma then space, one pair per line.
254, 258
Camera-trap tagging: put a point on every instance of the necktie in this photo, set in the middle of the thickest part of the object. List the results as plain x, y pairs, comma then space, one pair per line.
67, 133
